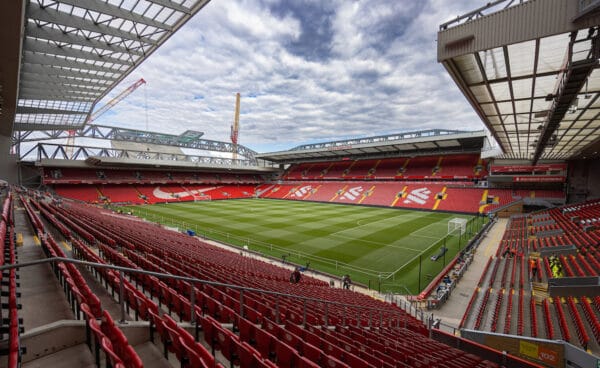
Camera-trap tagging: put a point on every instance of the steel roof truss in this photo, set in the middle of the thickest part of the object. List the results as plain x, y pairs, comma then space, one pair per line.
45, 69
45, 86
489, 90
571, 83
43, 59
54, 96
74, 38
57, 79
36, 12
115, 12
172, 5
511, 92
38, 46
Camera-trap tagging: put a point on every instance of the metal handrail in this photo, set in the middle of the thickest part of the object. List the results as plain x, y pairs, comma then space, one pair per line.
194, 280
478, 13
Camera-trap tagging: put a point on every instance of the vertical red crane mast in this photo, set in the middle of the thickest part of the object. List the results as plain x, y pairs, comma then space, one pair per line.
102, 110
235, 128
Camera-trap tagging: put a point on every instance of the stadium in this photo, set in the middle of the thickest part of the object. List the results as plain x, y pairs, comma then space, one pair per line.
132, 247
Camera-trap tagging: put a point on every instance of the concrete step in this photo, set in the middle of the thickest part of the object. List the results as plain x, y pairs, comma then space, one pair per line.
75, 356
152, 356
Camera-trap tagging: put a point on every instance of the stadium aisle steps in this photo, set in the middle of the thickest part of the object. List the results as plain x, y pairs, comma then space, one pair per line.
38, 278
566, 318
80, 293
74, 356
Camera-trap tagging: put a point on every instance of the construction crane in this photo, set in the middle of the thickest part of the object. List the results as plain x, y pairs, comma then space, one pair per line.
115, 100
235, 128
109, 105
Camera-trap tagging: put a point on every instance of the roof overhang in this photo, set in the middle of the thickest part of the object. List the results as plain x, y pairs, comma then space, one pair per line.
73, 52
406, 146
536, 83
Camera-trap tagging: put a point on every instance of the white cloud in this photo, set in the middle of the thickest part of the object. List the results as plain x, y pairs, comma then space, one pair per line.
318, 71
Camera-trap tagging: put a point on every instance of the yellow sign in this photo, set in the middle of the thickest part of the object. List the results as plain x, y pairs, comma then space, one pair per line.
528, 349
548, 353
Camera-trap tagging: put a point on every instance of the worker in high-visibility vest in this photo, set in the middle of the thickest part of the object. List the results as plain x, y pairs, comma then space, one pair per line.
534, 268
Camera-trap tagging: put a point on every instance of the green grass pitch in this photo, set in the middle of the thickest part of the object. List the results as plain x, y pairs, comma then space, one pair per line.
379, 247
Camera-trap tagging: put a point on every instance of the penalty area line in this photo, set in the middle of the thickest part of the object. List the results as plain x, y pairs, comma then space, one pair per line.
413, 258
374, 242
424, 236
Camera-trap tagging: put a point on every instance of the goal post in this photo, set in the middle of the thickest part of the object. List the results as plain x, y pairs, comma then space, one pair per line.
457, 226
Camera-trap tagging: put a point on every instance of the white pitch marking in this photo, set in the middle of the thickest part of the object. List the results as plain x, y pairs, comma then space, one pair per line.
374, 242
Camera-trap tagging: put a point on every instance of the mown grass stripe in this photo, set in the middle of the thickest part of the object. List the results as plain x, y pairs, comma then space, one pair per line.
333, 236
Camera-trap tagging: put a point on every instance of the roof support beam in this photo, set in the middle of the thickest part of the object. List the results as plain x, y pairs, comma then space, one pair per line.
36, 12
56, 35
171, 5
587, 124
42, 110
512, 94
131, 135
518, 78
66, 91
57, 79
55, 96
24, 127
45, 69
117, 12
571, 83
35, 45
504, 147
89, 89
32, 58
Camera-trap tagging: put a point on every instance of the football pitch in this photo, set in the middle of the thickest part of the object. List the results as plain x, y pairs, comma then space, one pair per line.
383, 248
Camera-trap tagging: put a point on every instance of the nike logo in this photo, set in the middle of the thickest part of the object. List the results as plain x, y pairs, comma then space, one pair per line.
158, 193
352, 193
419, 196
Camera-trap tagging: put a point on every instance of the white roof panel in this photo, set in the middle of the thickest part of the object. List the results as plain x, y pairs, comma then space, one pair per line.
75, 51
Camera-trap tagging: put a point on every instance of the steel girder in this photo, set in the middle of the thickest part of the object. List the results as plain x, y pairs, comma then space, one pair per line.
76, 152
379, 139
131, 135
72, 38
572, 81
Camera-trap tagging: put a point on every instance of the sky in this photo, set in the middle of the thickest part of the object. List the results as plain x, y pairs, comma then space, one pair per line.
307, 70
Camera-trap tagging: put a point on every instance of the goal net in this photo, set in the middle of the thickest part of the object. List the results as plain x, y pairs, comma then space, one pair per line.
457, 226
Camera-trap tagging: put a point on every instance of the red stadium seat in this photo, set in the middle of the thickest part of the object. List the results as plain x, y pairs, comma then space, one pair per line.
286, 356
265, 343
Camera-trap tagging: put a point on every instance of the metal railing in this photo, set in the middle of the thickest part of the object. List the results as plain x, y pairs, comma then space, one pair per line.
487, 9
192, 280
